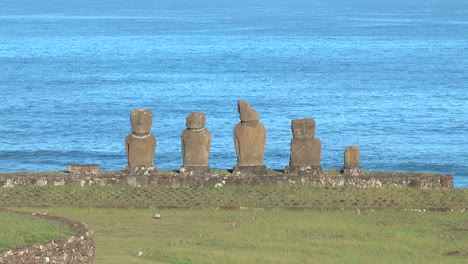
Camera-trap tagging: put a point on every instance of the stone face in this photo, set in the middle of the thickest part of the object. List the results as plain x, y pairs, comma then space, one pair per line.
141, 120
140, 145
196, 141
351, 157
306, 151
249, 137
303, 128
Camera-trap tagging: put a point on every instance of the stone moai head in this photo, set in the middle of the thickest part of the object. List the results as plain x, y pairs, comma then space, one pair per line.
351, 157
303, 128
195, 120
141, 120
247, 113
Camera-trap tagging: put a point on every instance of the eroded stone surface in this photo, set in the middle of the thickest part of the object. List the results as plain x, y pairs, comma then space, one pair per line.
173, 179
195, 143
351, 157
312, 171
260, 170
303, 128
195, 170
306, 151
195, 120
246, 112
249, 137
83, 168
140, 145
351, 162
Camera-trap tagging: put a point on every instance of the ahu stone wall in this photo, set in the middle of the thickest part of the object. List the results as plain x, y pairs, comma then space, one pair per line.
78, 248
213, 178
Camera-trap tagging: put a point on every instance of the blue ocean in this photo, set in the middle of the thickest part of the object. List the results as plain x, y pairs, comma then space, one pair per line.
388, 76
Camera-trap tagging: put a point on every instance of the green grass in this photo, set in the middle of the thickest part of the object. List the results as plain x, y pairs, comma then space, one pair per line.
263, 196
331, 225
273, 236
21, 230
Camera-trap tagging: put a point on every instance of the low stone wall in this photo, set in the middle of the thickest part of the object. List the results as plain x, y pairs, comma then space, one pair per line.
78, 248
226, 177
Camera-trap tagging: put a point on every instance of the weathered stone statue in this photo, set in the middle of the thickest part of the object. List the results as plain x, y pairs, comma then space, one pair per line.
306, 150
351, 161
140, 144
195, 143
249, 140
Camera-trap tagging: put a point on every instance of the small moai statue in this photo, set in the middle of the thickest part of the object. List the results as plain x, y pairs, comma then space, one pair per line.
351, 162
306, 150
250, 141
140, 144
195, 143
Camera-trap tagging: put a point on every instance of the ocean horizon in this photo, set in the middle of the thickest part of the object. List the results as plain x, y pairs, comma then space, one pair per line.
390, 78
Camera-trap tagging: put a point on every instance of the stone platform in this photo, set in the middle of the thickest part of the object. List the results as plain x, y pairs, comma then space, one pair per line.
227, 177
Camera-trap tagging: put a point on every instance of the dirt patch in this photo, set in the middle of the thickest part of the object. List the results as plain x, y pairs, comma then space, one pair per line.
456, 253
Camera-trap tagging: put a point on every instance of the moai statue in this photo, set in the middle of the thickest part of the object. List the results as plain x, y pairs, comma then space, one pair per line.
249, 140
306, 150
140, 144
351, 162
195, 143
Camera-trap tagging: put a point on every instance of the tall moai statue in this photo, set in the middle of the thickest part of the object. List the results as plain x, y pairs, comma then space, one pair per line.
195, 143
306, 150
249, 140
140, 144
351, 162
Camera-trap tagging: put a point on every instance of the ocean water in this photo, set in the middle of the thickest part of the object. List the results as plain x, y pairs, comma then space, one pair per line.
391, 78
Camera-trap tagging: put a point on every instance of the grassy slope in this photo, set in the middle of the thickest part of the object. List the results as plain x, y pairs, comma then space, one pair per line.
21, 230
264, 196
273, 236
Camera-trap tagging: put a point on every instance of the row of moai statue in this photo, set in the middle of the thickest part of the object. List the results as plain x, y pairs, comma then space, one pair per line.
249, 141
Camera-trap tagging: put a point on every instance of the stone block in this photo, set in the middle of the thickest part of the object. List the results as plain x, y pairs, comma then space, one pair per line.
83, 168
305, 152
139, 170
255, 170
311, 171
195, 169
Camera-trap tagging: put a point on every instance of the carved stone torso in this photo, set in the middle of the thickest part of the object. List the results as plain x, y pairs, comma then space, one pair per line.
140, 149
305, 152
196, 147
351, 157
250, 140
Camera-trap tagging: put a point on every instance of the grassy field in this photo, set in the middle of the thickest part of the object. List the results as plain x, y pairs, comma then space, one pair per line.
20, 230
261, 224
274, 236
